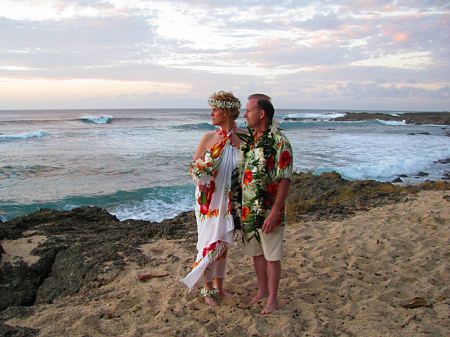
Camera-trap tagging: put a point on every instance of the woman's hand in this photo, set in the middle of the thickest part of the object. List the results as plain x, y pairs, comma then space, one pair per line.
202, 188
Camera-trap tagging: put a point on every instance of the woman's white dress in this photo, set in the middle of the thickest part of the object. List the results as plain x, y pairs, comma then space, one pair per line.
215, 219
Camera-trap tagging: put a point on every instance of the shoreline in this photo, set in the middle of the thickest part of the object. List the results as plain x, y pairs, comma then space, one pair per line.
402, 179
354, 275
418, 118
436, 118
130, 197
351, 261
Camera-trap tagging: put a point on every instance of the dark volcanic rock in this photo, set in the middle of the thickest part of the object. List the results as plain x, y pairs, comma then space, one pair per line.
85, 248
328, 196
443, 161
17, 331
437, 118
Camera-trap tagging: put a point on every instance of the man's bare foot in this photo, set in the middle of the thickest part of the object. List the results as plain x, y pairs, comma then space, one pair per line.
223, 293
211, 301
259, 297
270, 309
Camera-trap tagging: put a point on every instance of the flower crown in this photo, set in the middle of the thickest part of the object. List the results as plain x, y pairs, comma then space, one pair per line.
224, 104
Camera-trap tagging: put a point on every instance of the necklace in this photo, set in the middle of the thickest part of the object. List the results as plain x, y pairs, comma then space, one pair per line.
256, 160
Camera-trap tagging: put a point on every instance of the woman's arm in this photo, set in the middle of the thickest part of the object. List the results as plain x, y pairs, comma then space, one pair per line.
202, 146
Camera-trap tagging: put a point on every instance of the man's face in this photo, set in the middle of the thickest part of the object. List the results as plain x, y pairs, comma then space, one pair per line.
252, 114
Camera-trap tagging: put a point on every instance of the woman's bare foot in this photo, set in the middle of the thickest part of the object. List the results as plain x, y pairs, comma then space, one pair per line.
211, 301
223, 293
259, 297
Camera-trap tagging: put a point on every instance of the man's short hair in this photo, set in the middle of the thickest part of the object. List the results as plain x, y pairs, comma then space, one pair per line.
259, 96
264, 103
267, 106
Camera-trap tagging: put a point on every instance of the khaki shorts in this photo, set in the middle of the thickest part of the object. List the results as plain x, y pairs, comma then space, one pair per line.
271, 245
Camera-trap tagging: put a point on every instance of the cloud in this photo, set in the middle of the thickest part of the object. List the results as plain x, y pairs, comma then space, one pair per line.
291, 48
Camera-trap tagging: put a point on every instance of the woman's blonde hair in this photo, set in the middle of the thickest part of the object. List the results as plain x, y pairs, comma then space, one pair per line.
226, 101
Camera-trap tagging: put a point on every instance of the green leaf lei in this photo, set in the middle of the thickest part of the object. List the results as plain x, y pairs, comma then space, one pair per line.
264, 148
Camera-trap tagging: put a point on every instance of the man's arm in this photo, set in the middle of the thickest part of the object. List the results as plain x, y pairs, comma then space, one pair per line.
271, 220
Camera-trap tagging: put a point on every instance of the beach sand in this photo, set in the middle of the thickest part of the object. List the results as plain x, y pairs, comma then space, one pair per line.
341, 278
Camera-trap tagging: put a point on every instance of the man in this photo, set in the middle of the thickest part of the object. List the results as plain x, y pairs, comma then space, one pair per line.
266, 177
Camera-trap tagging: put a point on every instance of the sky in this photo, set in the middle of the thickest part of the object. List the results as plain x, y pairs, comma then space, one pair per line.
321, 54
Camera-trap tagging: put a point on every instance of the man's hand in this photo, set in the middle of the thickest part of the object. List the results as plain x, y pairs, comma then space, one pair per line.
270, 223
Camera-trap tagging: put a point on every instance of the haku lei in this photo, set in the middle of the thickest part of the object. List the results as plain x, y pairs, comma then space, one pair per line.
264, 149
224, 104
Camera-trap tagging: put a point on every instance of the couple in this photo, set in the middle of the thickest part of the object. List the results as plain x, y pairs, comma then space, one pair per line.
242, 177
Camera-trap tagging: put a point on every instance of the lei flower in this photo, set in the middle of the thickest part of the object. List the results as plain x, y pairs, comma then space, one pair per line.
202, 169
261, 161
224, 104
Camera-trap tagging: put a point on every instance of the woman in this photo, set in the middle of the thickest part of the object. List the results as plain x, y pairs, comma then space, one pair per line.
214, 161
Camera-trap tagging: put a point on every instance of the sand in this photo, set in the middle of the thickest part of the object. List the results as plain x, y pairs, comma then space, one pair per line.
346, 278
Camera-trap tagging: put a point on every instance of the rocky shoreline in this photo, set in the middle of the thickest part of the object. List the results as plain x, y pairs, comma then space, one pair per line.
418, 118
76, 251
436, 118
84, 249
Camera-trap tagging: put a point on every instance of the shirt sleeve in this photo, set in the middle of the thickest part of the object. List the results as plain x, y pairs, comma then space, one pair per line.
285, 159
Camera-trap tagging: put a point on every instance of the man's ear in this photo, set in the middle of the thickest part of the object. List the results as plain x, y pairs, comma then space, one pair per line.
262, 114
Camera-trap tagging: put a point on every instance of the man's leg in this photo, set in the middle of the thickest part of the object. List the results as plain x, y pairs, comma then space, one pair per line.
260, 264
274, 273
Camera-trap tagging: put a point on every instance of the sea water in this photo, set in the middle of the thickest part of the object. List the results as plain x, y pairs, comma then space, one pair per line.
135, 162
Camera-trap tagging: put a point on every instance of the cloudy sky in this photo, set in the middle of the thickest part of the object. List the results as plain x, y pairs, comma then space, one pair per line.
321, 54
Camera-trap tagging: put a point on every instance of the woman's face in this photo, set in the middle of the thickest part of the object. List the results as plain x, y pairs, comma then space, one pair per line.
218, 116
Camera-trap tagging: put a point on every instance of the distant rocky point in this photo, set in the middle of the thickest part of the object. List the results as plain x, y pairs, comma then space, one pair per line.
418, 118
437, 118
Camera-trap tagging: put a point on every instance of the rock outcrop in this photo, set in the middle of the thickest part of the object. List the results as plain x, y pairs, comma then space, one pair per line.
437, 118
87, 247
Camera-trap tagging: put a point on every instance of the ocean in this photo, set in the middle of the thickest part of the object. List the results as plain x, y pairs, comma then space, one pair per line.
134, 163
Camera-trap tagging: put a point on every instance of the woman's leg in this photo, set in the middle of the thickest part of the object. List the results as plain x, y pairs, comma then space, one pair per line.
219, 285
210, 300
219, 274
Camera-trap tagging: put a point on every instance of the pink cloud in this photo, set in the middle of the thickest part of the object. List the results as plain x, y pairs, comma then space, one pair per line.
400, 37
60, 6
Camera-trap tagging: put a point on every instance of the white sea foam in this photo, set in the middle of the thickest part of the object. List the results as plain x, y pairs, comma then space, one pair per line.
385, 170
324, 116
394, 123
157, 207
36, 134
98, 120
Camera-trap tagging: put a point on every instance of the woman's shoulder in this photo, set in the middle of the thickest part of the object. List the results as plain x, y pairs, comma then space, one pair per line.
209, 139
209, 135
